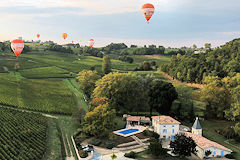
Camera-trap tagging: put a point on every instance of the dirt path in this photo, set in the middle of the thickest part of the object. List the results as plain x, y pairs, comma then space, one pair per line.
195, 85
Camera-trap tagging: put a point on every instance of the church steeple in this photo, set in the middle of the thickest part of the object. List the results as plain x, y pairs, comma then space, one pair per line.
196, 128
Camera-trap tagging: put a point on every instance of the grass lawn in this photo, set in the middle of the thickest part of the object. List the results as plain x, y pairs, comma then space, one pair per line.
53, 141
209, 127
79, 96
159, 59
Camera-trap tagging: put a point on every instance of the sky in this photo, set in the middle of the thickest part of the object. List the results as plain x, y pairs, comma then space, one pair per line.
175, 23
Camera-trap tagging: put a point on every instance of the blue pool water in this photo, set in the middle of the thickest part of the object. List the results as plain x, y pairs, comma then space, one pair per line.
128, 131
96, 156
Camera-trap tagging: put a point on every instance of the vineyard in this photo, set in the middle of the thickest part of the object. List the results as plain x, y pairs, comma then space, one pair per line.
45, 72
23, 135
51, 96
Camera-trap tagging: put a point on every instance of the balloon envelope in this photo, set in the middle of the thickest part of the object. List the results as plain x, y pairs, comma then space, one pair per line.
148, 10
64, 35
17, 46
91, 42
38, 35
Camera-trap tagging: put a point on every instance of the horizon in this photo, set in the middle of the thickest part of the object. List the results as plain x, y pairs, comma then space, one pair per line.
174, 24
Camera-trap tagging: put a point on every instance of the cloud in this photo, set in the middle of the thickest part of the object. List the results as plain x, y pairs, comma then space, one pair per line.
103, 7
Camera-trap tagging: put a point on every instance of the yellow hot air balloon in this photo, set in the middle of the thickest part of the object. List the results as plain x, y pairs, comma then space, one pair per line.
80, 40
64, 35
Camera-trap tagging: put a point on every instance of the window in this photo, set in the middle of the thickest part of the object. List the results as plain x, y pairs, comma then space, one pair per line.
172, 125
172, 130
222, 153
164, 126
214, 153
164, 130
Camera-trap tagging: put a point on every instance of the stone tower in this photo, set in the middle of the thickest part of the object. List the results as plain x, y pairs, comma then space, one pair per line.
196, 128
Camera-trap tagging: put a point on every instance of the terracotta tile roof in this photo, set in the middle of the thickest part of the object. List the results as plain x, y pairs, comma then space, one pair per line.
204, 143
165, 120
137, 118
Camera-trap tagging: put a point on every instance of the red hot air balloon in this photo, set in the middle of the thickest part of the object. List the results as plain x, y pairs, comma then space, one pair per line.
148, 10
17, 46
38, 35
91, 42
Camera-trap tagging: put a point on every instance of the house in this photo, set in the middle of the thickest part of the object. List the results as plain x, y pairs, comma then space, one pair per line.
138, 120
199, 51
203, 144
165, 126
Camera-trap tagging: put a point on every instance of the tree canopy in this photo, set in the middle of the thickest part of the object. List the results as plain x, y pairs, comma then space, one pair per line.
161, 96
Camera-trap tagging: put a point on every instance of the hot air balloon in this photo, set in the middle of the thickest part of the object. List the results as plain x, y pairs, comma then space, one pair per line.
64, 35
148, 11
38, 35
91, 42
80, 40
17, 46
72, 42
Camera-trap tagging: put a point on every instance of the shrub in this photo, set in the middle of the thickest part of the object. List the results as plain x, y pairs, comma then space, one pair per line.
83, 154
112, 136
130, 155
96, 142
110, 144
146, 132
229, 156
155, 135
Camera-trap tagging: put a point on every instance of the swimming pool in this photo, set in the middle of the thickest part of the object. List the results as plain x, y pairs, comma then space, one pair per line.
129, 131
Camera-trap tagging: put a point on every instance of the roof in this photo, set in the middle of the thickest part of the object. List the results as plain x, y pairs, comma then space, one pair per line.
205, 143
137, 118
165, 120
196, 124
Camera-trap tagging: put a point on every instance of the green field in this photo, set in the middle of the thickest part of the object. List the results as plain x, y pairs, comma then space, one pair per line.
51, 96
45, 72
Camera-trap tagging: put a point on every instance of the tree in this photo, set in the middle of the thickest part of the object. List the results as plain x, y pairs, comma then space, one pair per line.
146, 66
161, 96
208, 45
155, 147
96, 101
183, 145
87, 81
16, 66
99, 122
194, 46
207, 153
106, 65
217, 96
78, 115
123, 91
114, 156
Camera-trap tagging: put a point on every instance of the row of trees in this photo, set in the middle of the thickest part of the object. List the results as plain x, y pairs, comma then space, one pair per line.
221, 62
60, 48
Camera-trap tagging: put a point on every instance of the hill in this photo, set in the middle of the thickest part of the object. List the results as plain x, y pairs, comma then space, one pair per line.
222, 61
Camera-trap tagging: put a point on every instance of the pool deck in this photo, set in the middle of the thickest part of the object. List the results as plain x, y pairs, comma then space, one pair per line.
140, 128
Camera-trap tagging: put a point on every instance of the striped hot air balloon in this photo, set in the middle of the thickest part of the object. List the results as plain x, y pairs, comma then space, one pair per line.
91, 42
148, 10
17, 46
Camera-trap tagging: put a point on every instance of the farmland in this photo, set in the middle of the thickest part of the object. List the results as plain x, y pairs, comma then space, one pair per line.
23, 135
50, 96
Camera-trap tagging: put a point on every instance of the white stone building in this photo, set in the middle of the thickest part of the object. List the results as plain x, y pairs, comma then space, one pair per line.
165, 126
203, 144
